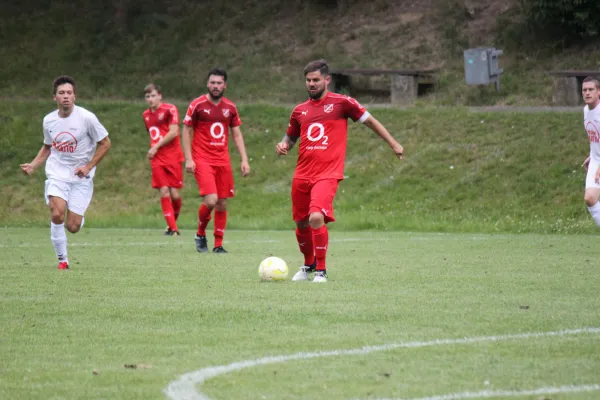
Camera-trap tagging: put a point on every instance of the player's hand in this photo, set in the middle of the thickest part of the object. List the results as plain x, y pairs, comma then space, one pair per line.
152, 152
245, 168
597, 176
190, 166
83, 172
586, 163
281, 148
398, 150
27, 169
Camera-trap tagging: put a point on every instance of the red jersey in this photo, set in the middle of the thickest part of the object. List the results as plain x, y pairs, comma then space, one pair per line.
211, 123
157, 124
323, 127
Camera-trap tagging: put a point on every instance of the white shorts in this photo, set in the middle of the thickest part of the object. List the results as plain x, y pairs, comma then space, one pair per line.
78, 195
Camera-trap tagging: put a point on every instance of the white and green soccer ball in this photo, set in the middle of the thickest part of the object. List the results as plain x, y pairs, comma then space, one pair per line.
273, 269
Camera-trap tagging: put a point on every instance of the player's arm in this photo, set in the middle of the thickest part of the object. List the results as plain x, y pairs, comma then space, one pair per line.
101, 149
40, 159
186, 139
238, 139
286, 144
169, 137
586, 163
383, 133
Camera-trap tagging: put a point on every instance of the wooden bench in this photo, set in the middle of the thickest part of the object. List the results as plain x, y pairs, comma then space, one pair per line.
405, 85
567, 86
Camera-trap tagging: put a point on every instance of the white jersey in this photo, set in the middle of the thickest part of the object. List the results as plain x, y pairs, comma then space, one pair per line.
591, 122
73, 140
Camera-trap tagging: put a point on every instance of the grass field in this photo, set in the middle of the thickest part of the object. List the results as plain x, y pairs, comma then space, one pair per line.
135, 297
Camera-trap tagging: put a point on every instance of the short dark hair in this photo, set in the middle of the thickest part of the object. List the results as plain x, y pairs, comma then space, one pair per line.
61, 80
593, 79
317, 65
218, 72
152, 86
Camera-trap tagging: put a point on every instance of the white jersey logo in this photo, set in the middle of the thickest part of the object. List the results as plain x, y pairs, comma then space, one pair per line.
226, 112
304, 112
328, 108
207, 110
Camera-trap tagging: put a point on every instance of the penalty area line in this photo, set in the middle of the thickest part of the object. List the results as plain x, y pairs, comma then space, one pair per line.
185, 387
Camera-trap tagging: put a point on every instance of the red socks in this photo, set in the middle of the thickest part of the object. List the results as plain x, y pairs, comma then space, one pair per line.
167, 209
203, 219
220, 223
305, 242
320, 239
176, 207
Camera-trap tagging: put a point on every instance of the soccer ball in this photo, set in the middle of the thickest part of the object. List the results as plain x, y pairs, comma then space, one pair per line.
273, 269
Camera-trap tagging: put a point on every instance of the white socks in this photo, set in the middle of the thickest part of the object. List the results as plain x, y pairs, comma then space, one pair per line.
59, 241
595, 211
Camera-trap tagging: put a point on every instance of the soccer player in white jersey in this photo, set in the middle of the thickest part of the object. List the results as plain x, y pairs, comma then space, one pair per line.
74, 143
591, 121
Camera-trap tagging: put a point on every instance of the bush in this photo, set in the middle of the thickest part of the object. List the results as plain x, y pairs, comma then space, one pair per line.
568, 21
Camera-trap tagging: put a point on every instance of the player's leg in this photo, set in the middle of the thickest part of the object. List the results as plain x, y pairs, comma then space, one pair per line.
162, 178
80, 197
321, 212
591, 197
174, 186
225, 190
176, 201
220, 223
56, 195
592, 192
168, 213
205, 177
300, 213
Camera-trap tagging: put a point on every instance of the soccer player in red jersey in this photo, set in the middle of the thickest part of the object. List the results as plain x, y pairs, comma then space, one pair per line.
162, 123
321, 123
208, 120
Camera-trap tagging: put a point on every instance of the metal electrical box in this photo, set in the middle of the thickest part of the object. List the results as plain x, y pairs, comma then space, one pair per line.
481, 66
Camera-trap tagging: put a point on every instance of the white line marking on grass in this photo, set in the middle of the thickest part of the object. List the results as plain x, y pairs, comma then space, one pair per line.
184, 388
507, 393
171, 242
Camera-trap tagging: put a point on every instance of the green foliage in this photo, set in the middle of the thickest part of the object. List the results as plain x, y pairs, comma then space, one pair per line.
560, 21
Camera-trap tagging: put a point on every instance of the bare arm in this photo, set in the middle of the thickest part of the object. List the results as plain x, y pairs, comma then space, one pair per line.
40, 159
101, 150
287, 142
186, 139
172, 134
383, 133
238, 139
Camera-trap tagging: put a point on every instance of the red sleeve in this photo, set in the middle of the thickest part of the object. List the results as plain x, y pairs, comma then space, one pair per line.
190, 116
173, 115
353, 109
234, 118
293, 127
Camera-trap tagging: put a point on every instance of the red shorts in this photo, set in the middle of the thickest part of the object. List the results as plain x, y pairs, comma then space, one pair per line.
170, 175
309, 197
215, 179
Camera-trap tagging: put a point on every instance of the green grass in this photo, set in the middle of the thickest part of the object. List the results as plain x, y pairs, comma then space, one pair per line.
137, 297
462, 172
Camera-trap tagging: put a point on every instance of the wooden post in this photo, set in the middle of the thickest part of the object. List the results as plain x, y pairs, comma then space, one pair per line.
404, 89
566, 91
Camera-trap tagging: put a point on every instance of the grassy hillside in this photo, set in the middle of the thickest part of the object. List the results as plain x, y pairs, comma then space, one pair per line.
114, 47
464, 171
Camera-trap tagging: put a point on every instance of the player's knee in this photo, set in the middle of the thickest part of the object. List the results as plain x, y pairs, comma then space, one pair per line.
590, 199
56, 216
316, 220
73, 228
164, 192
